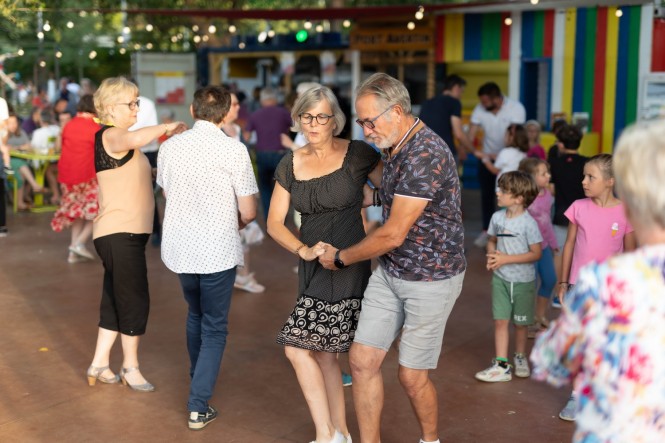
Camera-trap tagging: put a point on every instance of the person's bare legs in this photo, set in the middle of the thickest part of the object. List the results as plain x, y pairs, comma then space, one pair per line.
26, 173
365, 363
501, 338
310, 378
520, 339
105, 340
332, 377
84, 232
130, 358
52, 180
422, 395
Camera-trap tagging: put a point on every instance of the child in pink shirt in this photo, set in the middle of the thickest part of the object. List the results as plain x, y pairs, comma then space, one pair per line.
541, 211
598, 229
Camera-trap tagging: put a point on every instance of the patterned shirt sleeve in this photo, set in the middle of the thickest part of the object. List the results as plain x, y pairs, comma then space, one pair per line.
244, 181
426, 171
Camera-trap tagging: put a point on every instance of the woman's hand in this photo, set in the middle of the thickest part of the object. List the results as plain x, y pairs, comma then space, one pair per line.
312, 252
175, 128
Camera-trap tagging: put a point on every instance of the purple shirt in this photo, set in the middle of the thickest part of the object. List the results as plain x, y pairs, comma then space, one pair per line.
269, 122
541, 211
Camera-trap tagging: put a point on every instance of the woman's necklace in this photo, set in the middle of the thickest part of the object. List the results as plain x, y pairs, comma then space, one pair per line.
394, 150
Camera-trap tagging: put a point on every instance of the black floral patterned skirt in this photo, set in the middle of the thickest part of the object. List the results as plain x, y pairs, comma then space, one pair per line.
321, 326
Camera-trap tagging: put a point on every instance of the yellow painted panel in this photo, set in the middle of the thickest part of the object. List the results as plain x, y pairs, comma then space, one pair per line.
453, 38
569, 62
611, 51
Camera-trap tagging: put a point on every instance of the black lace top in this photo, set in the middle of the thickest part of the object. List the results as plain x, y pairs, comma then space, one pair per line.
103, 161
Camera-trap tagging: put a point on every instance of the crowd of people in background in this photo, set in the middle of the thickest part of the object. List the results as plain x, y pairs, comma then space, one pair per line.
558, 212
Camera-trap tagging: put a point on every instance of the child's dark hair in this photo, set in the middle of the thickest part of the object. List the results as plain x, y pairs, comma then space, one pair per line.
570, 136
604, 163
530, 165
519, 184
520, 139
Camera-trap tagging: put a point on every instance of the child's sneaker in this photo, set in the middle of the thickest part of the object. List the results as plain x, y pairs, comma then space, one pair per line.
495, 373
521, 366
199, 420
568, 412
4, 231
347, 380
556, 303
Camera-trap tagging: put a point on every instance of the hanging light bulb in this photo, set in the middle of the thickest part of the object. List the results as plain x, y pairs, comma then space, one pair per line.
92, 54
508, 21
70, 24
58, 54
232, 29
319, 28
195, 28
197, 39
534, 2
122, 50
126, 30
20, 52
346, 23
149, 27
618, 13
120, 39
212, 29
40, 35
307, 25
47, 26
241, 45
411, 26
271, 33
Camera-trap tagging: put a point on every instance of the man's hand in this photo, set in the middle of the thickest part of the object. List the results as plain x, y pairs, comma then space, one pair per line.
327, 259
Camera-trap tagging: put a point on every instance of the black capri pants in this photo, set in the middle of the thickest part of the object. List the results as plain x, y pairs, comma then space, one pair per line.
125, 299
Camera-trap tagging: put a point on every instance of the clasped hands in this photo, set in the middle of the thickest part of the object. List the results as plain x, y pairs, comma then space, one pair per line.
495, 260
323, 251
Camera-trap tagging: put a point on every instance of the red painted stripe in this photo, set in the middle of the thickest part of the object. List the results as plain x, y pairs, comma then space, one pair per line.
599, 83
548, 37
505, 37
658, 49
440, 30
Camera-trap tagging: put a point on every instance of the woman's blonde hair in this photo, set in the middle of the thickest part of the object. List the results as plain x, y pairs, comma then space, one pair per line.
639, 171
107, 93
312, 97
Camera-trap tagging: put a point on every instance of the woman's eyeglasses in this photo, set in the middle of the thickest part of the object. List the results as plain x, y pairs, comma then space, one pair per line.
131, 105
321, 119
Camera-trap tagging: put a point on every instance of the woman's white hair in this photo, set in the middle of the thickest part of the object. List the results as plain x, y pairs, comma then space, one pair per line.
639, 171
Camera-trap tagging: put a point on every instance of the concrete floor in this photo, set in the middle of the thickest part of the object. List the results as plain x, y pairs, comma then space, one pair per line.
48, 326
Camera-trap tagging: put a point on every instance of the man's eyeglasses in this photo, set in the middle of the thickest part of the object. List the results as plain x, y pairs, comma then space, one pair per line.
369, 124
321, 119
132, 105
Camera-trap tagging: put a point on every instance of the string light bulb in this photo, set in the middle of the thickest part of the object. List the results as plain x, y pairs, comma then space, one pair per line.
411, 26
149, 27
70, 24
232, 29
346, 23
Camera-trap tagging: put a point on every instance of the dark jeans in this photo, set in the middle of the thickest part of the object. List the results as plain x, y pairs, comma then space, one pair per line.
487, 182
266, 163
209, 299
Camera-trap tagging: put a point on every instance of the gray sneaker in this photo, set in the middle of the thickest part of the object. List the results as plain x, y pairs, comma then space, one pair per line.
521, 366
569, 411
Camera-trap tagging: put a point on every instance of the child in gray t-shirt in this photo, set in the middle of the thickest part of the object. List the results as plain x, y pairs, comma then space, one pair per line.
513, 248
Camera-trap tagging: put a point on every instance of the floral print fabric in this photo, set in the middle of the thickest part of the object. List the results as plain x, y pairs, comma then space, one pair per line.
610, 341
78, 201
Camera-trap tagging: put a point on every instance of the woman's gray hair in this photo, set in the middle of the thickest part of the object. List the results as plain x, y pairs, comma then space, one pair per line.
639, 172
386, 88
313, 97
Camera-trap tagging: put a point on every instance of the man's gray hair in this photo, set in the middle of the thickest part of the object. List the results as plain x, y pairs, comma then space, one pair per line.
312, 97
386, 88
268, 94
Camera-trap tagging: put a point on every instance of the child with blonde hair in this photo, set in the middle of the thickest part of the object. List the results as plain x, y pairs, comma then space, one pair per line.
598, 229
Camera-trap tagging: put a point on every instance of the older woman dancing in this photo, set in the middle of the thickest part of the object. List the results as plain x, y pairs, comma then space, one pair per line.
325, 181
609, 338
122, 228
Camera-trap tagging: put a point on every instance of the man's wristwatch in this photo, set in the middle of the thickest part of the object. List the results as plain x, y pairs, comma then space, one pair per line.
339, 264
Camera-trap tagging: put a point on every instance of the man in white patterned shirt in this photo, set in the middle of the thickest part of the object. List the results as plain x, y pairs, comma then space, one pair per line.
210, 192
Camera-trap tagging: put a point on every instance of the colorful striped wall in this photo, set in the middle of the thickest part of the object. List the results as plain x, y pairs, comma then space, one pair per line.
600, 67
472, 37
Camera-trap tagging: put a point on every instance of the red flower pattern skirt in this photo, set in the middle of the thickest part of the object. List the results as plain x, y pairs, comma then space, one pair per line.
77, 201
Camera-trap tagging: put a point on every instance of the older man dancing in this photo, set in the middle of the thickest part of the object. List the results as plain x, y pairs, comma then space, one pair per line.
420, 250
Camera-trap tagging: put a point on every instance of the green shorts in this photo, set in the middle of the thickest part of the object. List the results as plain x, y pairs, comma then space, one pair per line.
513, 300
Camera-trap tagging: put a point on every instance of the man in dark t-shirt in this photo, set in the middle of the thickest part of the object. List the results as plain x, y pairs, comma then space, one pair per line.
443, 114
